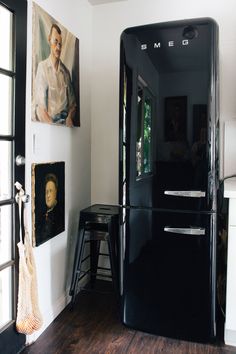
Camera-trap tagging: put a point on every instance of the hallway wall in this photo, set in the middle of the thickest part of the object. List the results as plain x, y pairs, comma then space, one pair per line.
47, 143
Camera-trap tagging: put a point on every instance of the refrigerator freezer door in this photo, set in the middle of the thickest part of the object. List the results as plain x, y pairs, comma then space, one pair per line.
168, 279
168, 115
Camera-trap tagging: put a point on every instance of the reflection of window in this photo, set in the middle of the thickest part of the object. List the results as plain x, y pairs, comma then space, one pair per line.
144, 130
125, 129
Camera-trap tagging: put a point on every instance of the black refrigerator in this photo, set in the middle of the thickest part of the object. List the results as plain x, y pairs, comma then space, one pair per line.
168, 178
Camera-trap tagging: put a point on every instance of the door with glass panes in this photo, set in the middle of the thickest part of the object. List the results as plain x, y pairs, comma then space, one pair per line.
13, 16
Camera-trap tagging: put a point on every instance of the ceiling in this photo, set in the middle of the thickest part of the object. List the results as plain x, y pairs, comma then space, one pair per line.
99, 2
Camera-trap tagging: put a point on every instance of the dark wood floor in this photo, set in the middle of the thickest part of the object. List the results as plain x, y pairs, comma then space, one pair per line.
94, 327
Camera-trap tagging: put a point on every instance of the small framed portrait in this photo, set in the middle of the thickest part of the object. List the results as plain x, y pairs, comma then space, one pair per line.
176, 118
55, 72
48, 201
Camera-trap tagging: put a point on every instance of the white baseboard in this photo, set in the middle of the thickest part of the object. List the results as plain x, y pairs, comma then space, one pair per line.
230, 337
49, 316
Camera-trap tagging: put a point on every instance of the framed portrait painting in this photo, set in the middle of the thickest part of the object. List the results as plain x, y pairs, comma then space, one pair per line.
48, 201
55, 71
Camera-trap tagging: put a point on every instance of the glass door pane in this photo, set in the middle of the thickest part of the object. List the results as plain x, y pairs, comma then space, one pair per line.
5, 170
5, 234
6, 35
5, 296
6, 85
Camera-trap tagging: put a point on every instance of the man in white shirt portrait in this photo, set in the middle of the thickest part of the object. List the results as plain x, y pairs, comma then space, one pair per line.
54, 95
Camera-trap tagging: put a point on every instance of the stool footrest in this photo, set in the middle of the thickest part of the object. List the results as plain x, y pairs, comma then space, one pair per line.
104, 254
96, 235
104, 268
103, 275
85, 258
83, 271
89, 271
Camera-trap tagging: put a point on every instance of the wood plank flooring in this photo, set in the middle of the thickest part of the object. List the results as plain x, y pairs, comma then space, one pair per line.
93, 327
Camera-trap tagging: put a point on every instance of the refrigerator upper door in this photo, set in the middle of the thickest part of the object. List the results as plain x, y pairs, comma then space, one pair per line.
168, 115
168, 273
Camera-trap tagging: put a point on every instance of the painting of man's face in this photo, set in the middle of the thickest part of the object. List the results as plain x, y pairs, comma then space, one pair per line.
55, 41
48, 202
50, 194
55, 72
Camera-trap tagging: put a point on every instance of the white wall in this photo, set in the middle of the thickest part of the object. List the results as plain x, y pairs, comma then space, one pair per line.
45, 143
109, 20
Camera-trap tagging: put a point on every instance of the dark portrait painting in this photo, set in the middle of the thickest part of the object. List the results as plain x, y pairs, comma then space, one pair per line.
48, 201
176, 118
55, 71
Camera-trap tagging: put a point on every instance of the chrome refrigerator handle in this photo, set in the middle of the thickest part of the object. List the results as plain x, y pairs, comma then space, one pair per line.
185, 231
191, 194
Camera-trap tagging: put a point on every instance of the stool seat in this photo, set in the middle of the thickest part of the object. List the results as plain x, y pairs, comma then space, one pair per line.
97, 223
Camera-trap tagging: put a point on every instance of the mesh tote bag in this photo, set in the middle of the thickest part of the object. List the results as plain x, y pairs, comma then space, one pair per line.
29, 318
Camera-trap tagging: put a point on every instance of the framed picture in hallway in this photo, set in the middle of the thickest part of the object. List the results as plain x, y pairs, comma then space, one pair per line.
55, 72
176, 118
48, 201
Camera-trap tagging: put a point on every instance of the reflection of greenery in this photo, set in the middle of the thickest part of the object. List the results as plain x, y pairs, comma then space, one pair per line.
139, 157
139, 135
147, 136
144, 132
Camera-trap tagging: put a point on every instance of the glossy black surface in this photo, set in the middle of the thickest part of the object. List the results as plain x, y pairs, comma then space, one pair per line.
178, 75
167, 277
169, 143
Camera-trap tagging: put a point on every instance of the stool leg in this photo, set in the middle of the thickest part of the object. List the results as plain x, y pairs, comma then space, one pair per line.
112, 255
77, 263
94, 255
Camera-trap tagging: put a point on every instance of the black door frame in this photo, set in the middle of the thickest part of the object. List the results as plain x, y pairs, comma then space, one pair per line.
10, 340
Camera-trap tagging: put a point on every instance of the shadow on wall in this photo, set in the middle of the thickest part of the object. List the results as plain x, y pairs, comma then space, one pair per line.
73, 224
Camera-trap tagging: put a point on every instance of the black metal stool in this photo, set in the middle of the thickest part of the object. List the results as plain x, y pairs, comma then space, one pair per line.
97, 223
